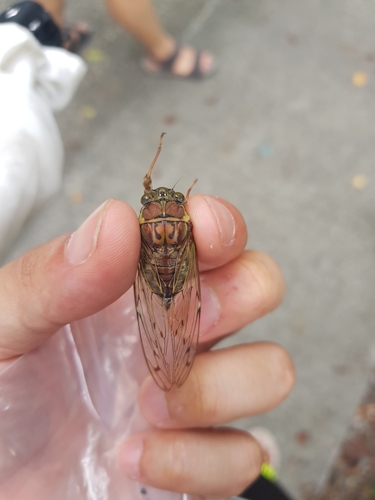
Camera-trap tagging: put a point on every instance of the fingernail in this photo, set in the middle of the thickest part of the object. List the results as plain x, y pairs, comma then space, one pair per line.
84, 240
154, 404
210, 314
130, 456
225, 220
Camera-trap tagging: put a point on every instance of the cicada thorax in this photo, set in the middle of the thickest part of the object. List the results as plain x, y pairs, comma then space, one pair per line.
165, 227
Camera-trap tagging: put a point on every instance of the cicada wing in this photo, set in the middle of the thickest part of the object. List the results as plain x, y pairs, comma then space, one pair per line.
184, 316
169, 330
153, 328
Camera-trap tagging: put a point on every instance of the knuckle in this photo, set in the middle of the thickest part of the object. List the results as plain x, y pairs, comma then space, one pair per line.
165, 462
32, 292
178, 460
205, 396
27, 264
268, 280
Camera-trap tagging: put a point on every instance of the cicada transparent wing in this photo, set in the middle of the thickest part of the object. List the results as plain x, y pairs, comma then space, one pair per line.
169, 326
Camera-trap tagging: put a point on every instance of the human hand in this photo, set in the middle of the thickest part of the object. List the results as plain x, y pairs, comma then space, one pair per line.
186, 452
73, 277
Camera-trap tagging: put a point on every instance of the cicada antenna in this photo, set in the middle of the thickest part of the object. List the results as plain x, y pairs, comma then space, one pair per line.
177, 182
147, 182
190, 188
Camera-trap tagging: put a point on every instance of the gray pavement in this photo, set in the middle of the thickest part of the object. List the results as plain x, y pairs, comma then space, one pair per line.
280, 132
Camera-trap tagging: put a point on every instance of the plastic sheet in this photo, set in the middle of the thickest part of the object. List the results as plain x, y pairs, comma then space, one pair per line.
66, 406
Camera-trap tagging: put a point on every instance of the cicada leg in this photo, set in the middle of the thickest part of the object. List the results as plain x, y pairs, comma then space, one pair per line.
190, 188
147, 182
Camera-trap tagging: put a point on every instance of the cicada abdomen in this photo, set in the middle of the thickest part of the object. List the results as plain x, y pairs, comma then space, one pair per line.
167, 290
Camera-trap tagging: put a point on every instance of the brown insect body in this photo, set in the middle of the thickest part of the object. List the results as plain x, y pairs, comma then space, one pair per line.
167, 291
165, 237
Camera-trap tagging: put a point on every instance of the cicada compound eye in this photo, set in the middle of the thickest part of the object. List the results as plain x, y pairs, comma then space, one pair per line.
146, 198
179, 197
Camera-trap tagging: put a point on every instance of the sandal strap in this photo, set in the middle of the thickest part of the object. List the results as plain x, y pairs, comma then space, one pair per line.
197, 72
168, 63
73, 39
166, 66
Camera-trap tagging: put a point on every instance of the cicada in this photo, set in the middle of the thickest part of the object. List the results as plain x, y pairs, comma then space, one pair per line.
167, 289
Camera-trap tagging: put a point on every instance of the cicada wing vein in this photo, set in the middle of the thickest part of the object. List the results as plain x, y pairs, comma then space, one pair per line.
152, 322
185, 315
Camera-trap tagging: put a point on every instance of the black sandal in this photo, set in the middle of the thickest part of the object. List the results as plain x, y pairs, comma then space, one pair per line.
74, 37
166, 67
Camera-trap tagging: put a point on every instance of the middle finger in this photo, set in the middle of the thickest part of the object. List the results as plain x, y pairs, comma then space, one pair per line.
223, 385
238, 293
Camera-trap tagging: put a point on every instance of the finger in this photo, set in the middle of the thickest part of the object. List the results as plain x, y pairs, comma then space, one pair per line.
219, 230
216, 463
68, 278
238, 293
223, 385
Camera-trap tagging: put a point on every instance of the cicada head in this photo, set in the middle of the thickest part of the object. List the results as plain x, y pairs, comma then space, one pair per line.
162, 194
163, 203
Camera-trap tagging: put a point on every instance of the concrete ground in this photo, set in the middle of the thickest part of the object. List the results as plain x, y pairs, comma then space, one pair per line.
283, 132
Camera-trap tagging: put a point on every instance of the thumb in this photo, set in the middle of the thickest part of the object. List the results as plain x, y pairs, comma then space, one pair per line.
68, 278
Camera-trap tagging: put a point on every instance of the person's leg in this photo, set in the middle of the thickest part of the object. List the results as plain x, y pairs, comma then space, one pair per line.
75, 35
55, 8
139, 19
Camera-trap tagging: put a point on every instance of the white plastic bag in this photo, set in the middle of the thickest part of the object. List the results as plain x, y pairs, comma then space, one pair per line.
34, 81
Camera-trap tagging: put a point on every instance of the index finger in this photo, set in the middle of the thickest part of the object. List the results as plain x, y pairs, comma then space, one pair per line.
219, 229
